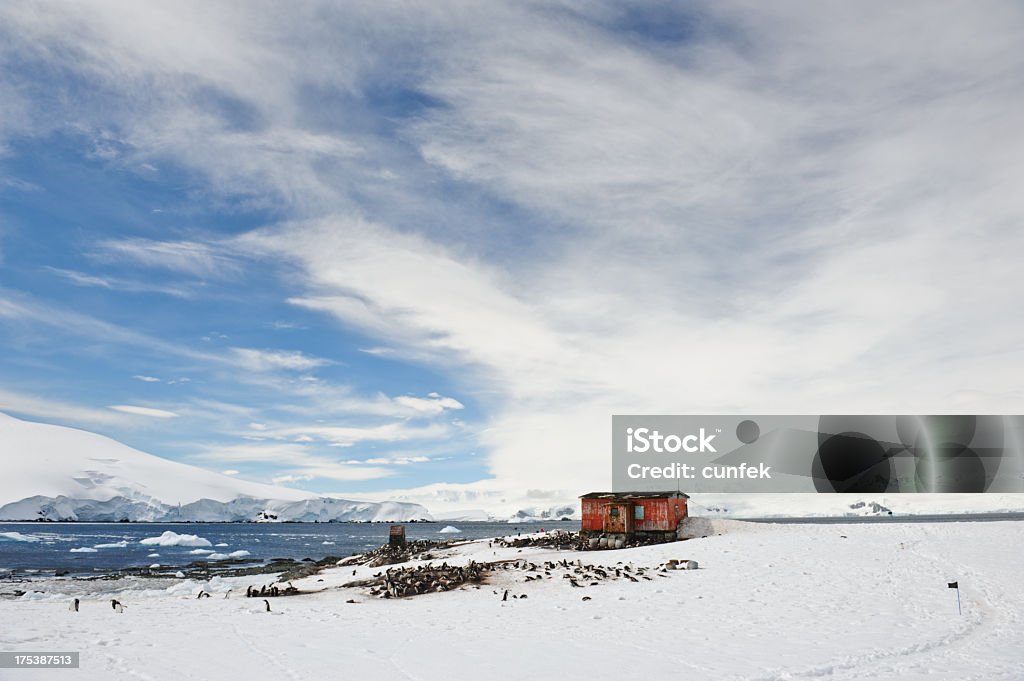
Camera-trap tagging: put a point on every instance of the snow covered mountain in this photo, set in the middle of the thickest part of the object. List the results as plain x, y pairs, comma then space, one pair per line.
59, 473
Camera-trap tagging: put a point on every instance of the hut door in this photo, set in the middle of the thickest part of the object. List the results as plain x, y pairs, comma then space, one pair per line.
615, 518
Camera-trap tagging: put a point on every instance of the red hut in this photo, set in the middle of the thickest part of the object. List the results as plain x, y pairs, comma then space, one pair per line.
632, 512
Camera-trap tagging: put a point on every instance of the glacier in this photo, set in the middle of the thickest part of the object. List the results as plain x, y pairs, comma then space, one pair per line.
58, 473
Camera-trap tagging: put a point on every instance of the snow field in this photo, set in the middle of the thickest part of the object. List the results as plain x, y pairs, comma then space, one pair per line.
769, 602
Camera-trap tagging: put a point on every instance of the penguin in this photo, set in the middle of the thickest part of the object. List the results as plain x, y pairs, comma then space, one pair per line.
74, 606
266, 603
116, 605
201, 594
227, 593
248, 591
505, 597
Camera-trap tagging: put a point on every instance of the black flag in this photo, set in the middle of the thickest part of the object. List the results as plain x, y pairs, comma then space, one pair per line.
953, 585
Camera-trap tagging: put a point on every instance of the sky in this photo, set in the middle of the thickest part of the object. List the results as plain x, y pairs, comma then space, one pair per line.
424, 251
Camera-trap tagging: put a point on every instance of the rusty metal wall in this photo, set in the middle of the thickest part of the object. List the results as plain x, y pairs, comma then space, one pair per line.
592, 518
660, 515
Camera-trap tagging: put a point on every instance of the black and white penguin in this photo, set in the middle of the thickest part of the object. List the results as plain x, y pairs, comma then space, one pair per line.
116, 606
74, 606
266, 603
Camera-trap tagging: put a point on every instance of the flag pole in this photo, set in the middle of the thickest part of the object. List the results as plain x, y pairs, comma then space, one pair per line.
958, 610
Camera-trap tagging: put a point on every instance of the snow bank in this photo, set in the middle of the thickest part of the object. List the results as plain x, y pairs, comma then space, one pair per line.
449, 530
694, 527
170, 538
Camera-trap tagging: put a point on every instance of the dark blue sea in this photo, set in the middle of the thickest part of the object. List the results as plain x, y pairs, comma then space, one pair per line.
44, 549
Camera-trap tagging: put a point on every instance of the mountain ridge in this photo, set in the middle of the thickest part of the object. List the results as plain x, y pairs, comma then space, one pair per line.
61, 473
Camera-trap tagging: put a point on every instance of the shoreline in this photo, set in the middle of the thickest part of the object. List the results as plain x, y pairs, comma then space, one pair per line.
864, 600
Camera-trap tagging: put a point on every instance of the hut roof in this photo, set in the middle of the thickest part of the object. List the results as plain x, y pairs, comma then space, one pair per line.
636, 495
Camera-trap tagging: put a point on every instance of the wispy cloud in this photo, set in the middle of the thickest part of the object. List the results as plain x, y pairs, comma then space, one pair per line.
190, 257
264, 360
120, 284
801, 206
146, 379
57, 410
144, 411
295, 462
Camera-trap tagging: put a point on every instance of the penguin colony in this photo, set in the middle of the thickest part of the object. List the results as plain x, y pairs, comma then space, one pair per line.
413, 581
430, 578
574, 541
272, 591
388, 554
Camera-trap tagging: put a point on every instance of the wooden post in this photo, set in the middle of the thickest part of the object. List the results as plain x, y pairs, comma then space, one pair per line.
397, 535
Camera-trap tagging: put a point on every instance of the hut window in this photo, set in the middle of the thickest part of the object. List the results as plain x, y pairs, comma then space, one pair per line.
677, 509
638, 512
614, 511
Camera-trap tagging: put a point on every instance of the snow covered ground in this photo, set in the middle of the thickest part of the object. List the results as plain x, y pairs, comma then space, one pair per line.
768, 602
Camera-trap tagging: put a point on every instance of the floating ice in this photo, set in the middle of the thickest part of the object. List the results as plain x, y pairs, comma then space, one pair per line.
84, 549
449, 530
169, 538
17, 536
114, 545
225, 556
200, 552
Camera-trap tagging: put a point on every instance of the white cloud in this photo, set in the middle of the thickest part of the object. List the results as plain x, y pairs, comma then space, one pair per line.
119, 284
295, 462
349, 435
143, 411
190, 257
800, 208
432, 404
32, 405
267, 360
285, 479
146, 379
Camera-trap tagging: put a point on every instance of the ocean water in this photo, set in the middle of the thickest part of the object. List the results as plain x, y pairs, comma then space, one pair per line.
116, 546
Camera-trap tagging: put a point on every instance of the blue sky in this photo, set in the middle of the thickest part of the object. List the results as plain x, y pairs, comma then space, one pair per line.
209, 339
425, 252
